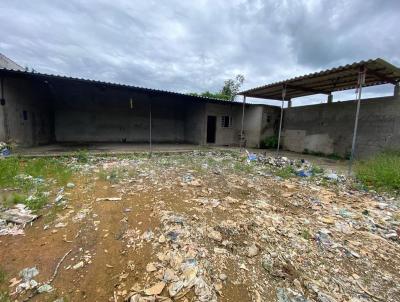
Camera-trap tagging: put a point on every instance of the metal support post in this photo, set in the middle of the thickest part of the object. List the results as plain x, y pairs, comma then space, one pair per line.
280, 122
150, 126
361, 81
242, 129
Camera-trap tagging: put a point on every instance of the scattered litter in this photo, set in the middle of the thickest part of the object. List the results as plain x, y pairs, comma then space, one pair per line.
45, 288
80, 264
204, 222
20, 214
156, 289
70, 185
109, 199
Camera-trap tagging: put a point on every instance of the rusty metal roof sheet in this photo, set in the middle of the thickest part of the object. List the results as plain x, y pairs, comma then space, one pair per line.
378, 72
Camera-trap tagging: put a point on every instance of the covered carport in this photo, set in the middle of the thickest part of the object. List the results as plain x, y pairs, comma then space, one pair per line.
352, 76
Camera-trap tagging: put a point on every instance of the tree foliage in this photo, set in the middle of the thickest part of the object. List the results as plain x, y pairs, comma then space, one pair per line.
229, 90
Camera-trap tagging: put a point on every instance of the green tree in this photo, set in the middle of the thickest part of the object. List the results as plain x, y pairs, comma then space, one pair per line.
231, 87
229, 90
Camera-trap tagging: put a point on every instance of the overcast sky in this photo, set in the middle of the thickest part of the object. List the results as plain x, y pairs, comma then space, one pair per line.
194, 46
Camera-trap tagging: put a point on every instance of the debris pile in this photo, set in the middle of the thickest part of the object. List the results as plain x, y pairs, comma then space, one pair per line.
13, 221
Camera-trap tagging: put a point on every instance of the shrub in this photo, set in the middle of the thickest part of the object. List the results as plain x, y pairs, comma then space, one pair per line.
381, 172
270, 142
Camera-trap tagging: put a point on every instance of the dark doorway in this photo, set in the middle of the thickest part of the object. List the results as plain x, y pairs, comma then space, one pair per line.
211, 128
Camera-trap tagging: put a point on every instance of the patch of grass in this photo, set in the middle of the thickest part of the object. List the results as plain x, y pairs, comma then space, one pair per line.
317, 170
36, 167
381, 172
4, 297
243, 167
12, 199
82, 156
3, 276
38, 201
306, 234
286, 172
32, 177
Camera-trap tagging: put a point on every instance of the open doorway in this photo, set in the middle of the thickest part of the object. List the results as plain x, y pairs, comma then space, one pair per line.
211, 128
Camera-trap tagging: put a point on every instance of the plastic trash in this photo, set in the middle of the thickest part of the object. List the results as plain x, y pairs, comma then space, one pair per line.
303, 173
251, 156
5, 152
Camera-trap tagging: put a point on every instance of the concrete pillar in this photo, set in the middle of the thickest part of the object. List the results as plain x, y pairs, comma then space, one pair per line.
330, 98
396, 90
289, 104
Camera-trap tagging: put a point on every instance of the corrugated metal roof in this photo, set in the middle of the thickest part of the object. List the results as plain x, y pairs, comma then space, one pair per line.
6, 62
378, 72
45, 76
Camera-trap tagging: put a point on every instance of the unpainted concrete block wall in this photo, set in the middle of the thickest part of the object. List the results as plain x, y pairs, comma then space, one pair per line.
270, 122
194, 131
255, 124
26, 117
328, 128
94, 114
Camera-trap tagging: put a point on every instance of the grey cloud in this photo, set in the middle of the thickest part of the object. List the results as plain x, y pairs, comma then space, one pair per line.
195, 45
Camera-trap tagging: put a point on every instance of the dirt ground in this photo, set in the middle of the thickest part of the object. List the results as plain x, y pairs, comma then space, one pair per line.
208, 226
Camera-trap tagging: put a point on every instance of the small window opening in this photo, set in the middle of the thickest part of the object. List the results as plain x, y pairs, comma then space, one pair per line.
226, 121
2, 102
25, 115
268, 119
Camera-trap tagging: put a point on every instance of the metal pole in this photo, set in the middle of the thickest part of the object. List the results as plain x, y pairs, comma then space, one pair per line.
280, 122
241, 131
150, 126
361, 80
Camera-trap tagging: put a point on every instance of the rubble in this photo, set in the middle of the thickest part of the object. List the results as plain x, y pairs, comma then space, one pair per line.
13, 221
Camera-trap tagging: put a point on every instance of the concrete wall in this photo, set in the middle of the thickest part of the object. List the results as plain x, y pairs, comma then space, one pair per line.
194, 131
328, 128
270, 122
258, 123
94, 114
224, 136
26, 116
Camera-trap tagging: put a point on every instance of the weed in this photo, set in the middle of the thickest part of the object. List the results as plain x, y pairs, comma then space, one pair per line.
4, 297
317, 170
270, 142
82, 156
12, 199
3, 276
381, 172
306, 234
286, 172
243, 167
37, 201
